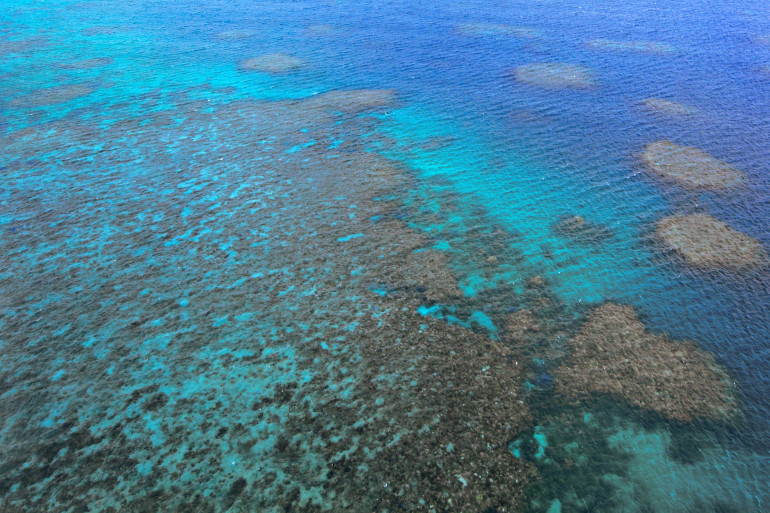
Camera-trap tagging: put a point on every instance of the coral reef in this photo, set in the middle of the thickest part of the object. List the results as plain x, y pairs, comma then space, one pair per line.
581, 230
246, 280
690, 167
496, 29
274, 63
614, 354
52, 96
663, 106
653, 47
234, 34
352, 101
708, 243
519, 325
555, 75
322, 30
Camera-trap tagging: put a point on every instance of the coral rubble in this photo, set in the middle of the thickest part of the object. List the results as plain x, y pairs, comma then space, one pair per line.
613, 353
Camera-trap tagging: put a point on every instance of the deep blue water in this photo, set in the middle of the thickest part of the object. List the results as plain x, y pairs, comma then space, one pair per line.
158, 211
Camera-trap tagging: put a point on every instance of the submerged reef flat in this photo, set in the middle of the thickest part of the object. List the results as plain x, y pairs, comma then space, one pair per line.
274, 63
52, 96
253, 337
352, 101
708, 243
631, 46
663, 106
613, 353
691, 167
496, 29
555, 75
432, 422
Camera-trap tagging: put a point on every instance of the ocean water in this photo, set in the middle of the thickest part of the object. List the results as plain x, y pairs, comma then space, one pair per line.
359, 283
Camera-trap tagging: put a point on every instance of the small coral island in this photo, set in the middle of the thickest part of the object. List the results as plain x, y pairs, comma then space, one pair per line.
708, 243
614, 354
690, 167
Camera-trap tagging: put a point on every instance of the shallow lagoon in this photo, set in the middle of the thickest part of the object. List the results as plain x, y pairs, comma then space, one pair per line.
359, 283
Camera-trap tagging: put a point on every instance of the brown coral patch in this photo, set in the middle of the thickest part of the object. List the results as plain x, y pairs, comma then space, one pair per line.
353, 101
496, 29
274, 63
428, 271
614, 354
439, 439
520, 325
555, 75
690, 167
663, 106
581, 229
653, 47
708, 243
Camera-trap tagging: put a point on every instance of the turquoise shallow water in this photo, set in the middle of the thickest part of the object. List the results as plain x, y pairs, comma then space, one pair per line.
230, 290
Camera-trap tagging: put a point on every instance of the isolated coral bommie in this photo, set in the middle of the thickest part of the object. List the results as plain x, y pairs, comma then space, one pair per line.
708, 243
631, 46
663, 106
613, 353
496, 29
555, 75
275, 63
690, 167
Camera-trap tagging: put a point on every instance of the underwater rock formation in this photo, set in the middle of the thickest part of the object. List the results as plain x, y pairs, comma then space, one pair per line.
496, 29
631, 46
274, 63
690, 167
660, 105
613, 353
708, 243
555, 75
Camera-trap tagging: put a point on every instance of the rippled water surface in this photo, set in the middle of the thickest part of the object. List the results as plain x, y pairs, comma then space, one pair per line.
384, 256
